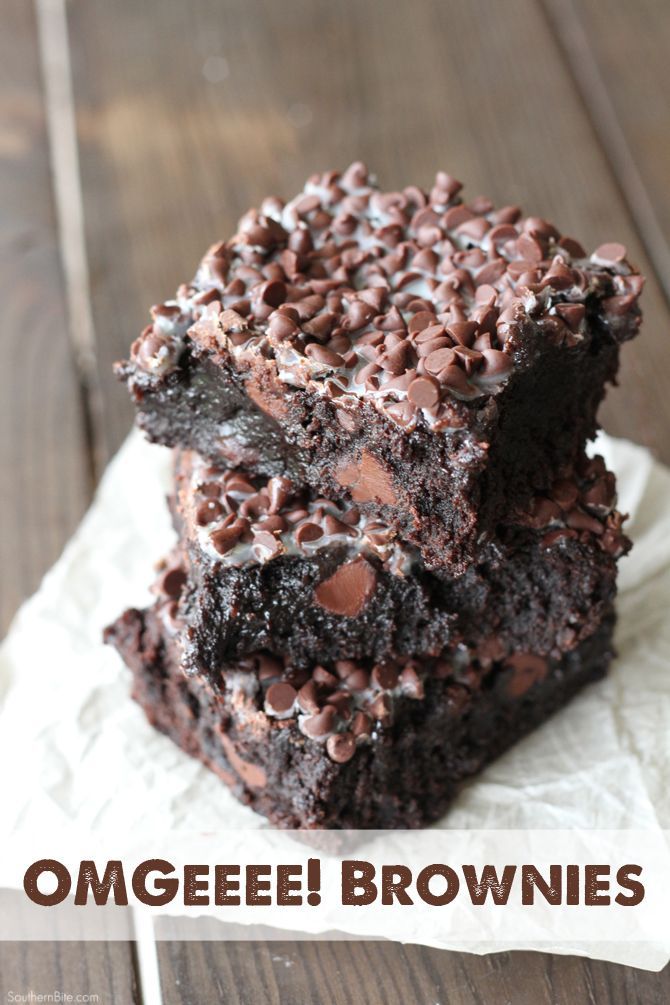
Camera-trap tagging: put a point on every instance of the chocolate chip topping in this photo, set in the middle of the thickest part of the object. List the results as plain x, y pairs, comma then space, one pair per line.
280, 698
356, 293
241, 519
341, 706
172, 582
341, 747
580, 503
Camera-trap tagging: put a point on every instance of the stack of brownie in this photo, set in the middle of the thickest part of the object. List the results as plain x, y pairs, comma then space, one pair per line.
394, 557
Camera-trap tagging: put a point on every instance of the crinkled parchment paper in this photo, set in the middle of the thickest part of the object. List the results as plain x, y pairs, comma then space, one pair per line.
76, 750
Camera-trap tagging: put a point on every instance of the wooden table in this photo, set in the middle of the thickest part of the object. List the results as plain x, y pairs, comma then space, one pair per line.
137, 131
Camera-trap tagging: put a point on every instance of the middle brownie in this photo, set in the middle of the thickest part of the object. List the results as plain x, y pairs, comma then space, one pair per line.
273, 567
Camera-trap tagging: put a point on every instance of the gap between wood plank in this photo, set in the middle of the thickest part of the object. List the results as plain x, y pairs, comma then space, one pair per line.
54, 51
146, 958
566, 26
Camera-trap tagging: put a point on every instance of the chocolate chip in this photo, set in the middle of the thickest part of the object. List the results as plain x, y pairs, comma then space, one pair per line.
358, 315
559, 276
255, 504
279, 490
348, 590
421, 320
307, 532
334, 526
208, 512
308, 698
439, 359
324, 678
273, 293
341, 702
344, 667
231, 321
320, 724
358, 680
172, 582
411, 684
306, 204
584, 521
274, 524
380, 709
211, 490
280, 698
529, 248
475, 228
226, 538
463, 332
149, 345
572, 314
600, 496
555, 536
361, 724
320, 354
490, 273
266, 546
395, 361
341, 747
455, 379
564, 491
426, 260
573, 248
617, 307
611, 252
402, 412
496, 363
543, 512
384, 676
281, 327
236, 483
424, 392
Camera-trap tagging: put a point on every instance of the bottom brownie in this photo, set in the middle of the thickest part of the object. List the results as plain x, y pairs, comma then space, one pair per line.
350, 745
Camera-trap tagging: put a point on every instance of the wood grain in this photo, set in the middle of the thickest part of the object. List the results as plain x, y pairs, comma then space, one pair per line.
186, 115
75, 968
80, 967
618, 53
43, 486
189, 113
367, 973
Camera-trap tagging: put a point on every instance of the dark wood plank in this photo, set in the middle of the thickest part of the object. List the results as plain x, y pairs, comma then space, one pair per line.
177, 140
341, 972
43, 486
76, 967
618, 52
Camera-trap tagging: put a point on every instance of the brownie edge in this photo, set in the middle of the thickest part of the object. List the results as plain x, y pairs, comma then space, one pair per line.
418, 743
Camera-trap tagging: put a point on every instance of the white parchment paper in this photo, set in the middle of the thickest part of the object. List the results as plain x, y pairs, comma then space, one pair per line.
76, 751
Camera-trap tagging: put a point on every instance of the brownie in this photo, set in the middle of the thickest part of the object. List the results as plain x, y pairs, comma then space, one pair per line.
349, 745
432, 360
262, 564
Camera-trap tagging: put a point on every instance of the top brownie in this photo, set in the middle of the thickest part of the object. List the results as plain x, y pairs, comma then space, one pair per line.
431, 359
